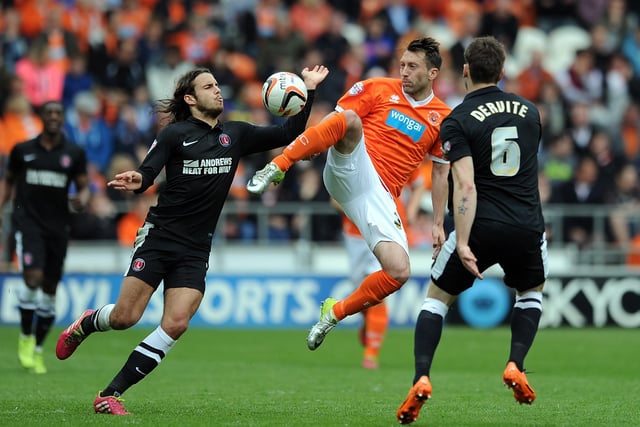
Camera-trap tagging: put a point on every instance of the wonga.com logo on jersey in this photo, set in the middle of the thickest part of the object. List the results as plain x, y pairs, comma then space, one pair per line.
405, 124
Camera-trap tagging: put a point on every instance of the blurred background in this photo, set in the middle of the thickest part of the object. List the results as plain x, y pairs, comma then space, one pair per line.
109, 61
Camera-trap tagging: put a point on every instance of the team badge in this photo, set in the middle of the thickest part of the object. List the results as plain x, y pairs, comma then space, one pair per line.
65, 161
356, 89
138, 264
434, 118
224, 140
27, 258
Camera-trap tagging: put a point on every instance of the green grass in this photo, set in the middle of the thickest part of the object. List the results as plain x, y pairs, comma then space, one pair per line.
583, 377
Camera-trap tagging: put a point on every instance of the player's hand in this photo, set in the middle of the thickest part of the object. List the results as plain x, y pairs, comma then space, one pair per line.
126, 181
438, 236
313, 77
469, 260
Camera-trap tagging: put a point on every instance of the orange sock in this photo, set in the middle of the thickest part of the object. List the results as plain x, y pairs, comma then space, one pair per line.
373, 289
313, 141
376, 321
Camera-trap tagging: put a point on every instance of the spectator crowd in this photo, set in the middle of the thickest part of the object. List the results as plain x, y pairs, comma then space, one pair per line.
109, 61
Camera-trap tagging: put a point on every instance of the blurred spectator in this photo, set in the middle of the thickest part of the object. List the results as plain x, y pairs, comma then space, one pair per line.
86, 128
43, 78
630, 132
584, 189
77, 79
608, 157
129, 223
62, 43
332, 43
33, 13
86, 20
133, 19
97, 222
501, 23
551, 14
324, 228
379, 44
281, 50
160, 75
198, 41
128, 135
559, 160
19, 123
618, 21
400, 17
311, 18
125, 71
553, 109
625, 200
470, 23
533, 77
13, 44
580, 127
151, 45
582, 81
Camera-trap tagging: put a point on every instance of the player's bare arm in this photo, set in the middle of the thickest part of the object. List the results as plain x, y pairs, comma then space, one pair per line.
464, 211
126, 181
439, 194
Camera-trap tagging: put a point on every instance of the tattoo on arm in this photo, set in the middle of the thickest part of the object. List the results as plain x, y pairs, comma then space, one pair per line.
462, 209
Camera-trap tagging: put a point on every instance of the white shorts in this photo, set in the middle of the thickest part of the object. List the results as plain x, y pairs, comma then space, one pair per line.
354, 183
362, 262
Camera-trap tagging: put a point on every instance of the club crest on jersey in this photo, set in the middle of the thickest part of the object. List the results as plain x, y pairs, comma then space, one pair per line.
27, 258
356, 89
434, 118
138, 264
224, 140
65, 161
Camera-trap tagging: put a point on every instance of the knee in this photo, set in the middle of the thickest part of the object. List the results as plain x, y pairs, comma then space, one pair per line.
175, 327
400, 272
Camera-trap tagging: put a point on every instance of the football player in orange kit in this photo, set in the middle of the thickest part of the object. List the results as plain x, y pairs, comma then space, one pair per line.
380, 133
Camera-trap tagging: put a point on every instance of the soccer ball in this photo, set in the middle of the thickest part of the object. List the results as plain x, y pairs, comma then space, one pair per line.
284, 94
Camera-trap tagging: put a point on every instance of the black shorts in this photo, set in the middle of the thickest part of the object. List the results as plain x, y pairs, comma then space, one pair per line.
521, 253
42, 251
157, 257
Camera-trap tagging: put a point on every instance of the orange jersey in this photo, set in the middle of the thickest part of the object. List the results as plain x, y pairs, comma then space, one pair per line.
398, 131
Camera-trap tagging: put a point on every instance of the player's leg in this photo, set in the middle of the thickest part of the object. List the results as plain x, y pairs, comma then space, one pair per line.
31, 255
526, 272
344, 129
376, 322
448, 279
353, 182
184, 289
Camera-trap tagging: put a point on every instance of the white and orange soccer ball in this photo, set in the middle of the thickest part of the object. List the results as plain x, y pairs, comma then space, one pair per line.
284, 94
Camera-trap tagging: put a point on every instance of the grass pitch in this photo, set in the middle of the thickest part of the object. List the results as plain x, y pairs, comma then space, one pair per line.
583, 377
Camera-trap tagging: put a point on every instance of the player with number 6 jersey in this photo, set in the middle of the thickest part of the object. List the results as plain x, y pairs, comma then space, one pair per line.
491, 140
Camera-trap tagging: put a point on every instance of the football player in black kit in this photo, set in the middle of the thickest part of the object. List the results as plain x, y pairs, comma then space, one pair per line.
491, 140
200, 155
39, 174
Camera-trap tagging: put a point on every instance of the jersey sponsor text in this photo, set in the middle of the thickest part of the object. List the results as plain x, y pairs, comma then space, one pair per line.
207, 166
405, 124
46, 178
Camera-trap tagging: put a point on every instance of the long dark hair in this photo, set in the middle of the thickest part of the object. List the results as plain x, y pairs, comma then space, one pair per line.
177, 109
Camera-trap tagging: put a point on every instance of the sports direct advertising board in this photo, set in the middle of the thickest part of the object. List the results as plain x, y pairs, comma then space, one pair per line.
292, 301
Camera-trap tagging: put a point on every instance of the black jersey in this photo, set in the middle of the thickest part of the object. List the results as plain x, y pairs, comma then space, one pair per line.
501, 132
42, 179
200, 163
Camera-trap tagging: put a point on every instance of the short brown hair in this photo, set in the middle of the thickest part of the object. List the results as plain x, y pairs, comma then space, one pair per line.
485, 57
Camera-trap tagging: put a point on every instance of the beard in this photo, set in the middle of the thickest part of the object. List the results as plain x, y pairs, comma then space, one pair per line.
211, 112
